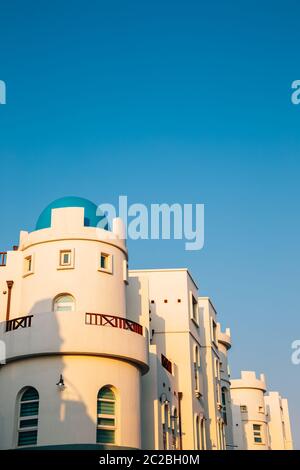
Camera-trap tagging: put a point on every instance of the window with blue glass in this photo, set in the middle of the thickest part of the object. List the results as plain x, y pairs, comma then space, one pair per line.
28, 417
106, 416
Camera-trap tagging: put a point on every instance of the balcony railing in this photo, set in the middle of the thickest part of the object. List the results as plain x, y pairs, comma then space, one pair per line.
3, 256
21, 322
99, 319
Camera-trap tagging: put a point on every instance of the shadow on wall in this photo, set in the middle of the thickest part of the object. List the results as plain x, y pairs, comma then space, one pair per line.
63, 418
238, 428
152, 390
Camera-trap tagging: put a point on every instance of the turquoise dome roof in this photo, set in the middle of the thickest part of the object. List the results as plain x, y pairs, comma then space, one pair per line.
91, 219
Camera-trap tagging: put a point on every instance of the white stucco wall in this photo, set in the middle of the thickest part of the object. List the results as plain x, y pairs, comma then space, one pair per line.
88, 356
69, 417
249, 391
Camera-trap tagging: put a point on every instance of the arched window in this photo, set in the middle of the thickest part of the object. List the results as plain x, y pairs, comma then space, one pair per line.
64, 303
106, 416
28, 417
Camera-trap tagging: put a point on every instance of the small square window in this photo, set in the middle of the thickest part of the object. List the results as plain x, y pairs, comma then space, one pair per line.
244, 409
65, 258
105, 263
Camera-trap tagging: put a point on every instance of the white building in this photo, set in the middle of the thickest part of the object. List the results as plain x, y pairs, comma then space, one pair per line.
260, 422
99, 357
279, 426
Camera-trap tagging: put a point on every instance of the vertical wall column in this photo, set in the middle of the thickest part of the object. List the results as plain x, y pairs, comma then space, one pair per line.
9, 285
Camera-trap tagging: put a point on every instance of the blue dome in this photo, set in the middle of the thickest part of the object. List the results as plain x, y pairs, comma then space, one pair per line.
91, 219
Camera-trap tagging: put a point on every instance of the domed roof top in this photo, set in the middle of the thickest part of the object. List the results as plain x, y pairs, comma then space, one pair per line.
91, 219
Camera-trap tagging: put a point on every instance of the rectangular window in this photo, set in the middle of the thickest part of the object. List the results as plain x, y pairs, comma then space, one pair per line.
106, 422
257, 434
105, 436
106, 407
105, 263
244, 409
28, 265
194, 309
65, 258
166, 363
29, 409
214, 331
29, 423
27, 438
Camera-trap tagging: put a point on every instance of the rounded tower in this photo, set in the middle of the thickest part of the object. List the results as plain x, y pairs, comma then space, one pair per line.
74, 359
249, 413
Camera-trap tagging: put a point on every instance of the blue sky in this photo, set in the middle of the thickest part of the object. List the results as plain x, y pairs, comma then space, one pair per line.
169, 101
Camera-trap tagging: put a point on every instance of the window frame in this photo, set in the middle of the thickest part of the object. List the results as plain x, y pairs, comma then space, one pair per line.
21, 419
224, 400
55, 301
109, 257
196, 370
194, 309
28, 270
214, 332
113, 417
71, 264
258, 434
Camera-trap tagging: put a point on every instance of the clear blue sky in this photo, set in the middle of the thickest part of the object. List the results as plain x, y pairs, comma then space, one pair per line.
169, 101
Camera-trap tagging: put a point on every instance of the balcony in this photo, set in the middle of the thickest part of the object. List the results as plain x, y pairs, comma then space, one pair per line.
99, 319
3, 256
75, 333
21, 322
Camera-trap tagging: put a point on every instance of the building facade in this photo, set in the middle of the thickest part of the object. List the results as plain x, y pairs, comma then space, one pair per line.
260, 422
279, 426
96, 356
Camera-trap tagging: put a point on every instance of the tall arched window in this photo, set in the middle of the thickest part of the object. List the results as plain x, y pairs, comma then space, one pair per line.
64, 303
106, 416
28, 417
